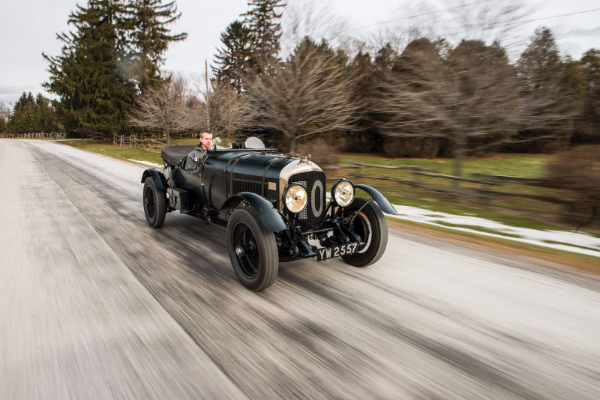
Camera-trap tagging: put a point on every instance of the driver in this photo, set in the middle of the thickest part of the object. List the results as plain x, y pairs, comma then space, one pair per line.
193, 160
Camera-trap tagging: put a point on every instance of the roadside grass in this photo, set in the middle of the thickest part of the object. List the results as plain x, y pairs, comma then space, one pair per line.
107, 149
186, 142
570, 244
522, 165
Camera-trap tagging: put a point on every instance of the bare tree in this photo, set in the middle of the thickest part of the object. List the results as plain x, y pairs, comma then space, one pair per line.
312, 18
306, 95
468, 98
162, 108
5, 111
228, 110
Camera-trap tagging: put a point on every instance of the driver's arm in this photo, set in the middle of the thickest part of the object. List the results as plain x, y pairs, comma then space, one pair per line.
193, 160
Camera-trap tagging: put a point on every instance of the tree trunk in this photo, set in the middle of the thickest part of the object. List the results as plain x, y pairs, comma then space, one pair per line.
292, 144
168, 138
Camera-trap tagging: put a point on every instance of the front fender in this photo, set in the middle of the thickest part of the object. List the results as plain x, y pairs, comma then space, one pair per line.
379, 198
159, 179
269, 217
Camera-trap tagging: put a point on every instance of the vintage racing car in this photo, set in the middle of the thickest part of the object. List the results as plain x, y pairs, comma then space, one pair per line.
273, 206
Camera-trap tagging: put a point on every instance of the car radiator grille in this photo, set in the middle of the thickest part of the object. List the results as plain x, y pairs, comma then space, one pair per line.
314, 181
246, 183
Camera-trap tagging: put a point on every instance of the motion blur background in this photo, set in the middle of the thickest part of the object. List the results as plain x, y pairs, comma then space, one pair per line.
479, 121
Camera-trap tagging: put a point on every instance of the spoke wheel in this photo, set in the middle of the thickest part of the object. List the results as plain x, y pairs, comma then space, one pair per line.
371, 226
362, 228
155, 204
246, 253
149, 202
252, 250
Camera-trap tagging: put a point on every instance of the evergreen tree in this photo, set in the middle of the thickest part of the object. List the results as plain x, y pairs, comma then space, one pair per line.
22, 119
386, 56
89, 76
234, 59
149, 37
364, 94
551, 90
44, 117
590, 63
263, 22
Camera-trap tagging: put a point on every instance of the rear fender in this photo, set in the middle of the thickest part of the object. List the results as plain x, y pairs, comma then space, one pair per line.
159, 179
269, 217
383, 203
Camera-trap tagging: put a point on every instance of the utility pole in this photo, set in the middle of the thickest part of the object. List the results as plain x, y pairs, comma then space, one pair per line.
206, 97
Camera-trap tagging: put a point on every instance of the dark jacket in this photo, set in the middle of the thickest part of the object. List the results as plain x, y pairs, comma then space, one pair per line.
193, 160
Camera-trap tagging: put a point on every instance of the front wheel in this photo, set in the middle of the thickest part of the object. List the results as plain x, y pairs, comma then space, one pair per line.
371, 226
252, 250
155, 204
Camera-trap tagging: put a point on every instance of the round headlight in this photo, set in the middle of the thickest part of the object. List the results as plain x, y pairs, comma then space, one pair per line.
343, 193
295, 198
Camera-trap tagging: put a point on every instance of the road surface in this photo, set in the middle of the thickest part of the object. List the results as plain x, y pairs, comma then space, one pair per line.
97, 305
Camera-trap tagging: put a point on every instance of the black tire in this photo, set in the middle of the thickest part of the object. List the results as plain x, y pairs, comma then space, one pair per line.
371, 226
257, 262
155, 204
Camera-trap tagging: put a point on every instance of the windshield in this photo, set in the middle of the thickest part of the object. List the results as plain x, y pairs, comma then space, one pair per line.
254, 143
222, 143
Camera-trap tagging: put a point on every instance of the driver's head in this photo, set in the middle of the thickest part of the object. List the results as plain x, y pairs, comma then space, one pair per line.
206, 139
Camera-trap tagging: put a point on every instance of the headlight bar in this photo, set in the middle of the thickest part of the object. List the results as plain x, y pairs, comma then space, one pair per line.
342, 193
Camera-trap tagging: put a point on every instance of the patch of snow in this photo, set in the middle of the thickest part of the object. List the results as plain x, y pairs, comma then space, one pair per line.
148, 163
564, 240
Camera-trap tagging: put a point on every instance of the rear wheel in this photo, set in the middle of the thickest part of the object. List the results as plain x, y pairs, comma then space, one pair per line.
371, 226
155, 204
252, 250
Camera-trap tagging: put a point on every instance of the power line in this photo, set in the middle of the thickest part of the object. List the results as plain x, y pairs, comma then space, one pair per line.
187, 65
472, 4
534, 20
415, 16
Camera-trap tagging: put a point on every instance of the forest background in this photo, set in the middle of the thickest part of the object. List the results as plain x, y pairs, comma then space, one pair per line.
404, 92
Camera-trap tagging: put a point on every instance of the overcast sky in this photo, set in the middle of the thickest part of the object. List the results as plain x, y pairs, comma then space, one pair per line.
29, 27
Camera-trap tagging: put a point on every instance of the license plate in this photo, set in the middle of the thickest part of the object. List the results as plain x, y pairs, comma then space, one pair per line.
336, 251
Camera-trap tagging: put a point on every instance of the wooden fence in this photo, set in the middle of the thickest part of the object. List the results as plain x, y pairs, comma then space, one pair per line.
488, 184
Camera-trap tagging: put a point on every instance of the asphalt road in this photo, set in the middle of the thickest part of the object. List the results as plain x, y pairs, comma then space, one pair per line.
95, 304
